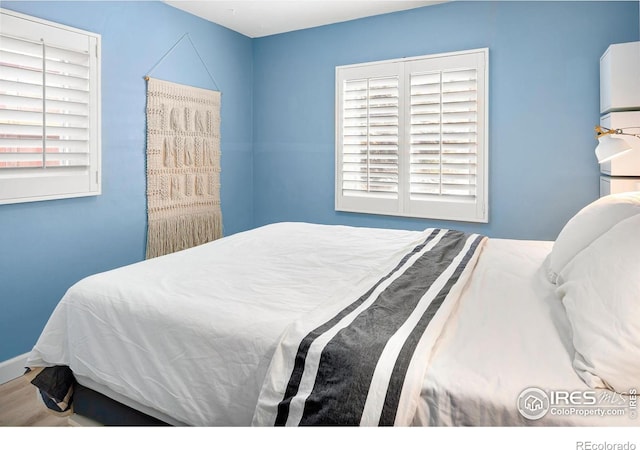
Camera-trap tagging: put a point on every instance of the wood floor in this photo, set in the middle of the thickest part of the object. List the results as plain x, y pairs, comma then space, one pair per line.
20, 407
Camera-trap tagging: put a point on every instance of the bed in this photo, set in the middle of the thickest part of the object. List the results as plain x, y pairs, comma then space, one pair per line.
277, 325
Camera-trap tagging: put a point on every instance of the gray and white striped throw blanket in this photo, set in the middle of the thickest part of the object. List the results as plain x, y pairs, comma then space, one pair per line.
361, 360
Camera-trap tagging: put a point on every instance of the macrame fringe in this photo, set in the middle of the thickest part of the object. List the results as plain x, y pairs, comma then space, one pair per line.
168, 235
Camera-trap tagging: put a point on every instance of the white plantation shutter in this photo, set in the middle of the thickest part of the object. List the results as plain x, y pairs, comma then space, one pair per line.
49, 111
432, 160
443, 142
369, 123
370, 145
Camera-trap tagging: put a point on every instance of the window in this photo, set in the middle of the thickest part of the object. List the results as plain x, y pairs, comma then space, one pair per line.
411, 137
49, 110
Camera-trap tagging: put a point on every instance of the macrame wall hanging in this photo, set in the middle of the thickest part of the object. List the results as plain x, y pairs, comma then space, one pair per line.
183, 166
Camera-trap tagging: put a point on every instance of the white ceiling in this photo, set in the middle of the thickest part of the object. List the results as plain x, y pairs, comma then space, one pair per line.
260, 18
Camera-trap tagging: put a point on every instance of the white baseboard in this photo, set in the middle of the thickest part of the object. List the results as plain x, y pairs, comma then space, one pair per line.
12, 368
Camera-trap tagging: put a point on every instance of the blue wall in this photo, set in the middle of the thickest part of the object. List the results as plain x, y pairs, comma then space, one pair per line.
278, 127
544, 103
45, 247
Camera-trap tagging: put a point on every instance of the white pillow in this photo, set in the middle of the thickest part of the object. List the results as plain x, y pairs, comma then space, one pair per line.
600, 291
587, 225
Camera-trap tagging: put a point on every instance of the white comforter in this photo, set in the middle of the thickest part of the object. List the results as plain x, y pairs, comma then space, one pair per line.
191, 334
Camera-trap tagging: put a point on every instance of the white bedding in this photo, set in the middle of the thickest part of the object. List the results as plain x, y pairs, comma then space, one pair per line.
189, 336
511, 333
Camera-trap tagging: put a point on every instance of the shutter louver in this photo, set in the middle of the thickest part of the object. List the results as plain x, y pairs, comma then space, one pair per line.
443, 134
370, 137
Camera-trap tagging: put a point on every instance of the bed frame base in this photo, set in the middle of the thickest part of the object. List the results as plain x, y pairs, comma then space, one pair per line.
94, 409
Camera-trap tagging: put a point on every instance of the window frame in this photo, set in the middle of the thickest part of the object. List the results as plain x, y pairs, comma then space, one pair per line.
88, 181
448, 208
